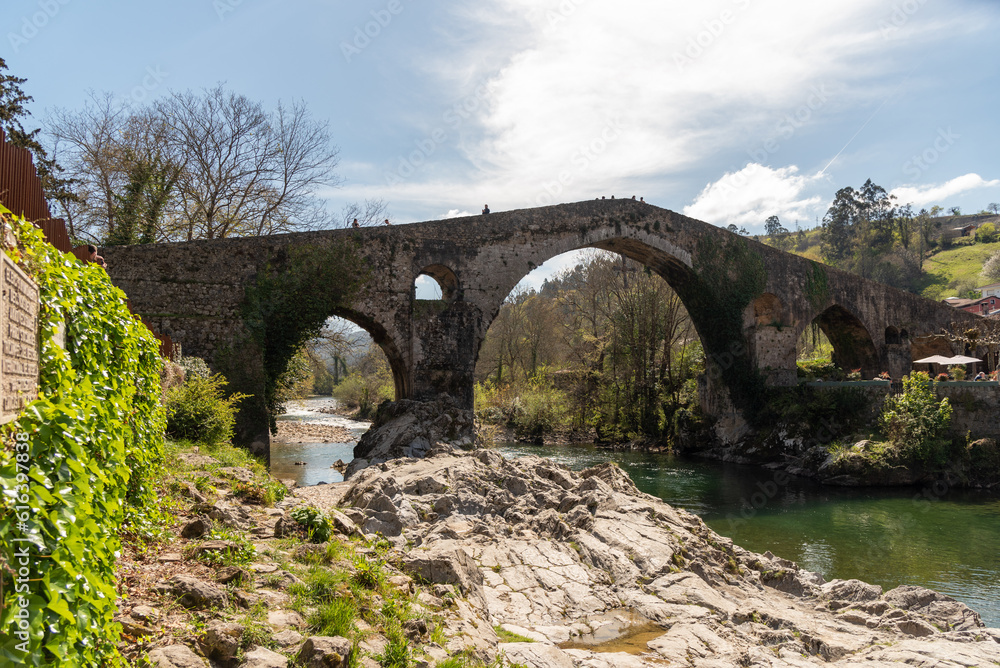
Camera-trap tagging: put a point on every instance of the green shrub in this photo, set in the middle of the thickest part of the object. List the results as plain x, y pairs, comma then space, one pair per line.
267, 492
315, 522
324, 585
987, 233
544, 410
916, 423
240, 553
199, 411
819, 369
369, 573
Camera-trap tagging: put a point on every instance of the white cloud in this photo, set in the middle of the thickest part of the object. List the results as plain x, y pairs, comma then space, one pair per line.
920, 196
611, 92
750, 195
456, 213
588, 98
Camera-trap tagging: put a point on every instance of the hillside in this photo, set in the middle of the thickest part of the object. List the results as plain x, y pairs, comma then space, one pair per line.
948, 272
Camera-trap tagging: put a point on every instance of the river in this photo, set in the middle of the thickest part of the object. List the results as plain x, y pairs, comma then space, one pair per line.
943, 539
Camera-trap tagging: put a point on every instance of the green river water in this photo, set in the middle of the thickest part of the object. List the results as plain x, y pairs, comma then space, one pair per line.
946, 540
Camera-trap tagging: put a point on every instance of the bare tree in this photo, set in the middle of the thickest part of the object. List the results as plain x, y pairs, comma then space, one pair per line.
89, 142
211, 164
248, 172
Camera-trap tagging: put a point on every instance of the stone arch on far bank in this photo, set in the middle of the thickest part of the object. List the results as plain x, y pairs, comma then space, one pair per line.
853, 346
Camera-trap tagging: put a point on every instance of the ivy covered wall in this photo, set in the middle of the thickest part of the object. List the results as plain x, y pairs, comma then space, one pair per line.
75, 466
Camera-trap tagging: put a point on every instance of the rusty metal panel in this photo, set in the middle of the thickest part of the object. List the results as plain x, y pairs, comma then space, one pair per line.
20, 187
21, 192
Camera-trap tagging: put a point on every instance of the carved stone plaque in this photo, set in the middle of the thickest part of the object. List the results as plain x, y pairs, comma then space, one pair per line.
19, 338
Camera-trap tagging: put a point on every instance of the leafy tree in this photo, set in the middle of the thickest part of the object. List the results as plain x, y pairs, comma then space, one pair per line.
772, 226
838, 226
994, 207
615, 335
916, 422
955, 211
905, 222
140, 209
986, 233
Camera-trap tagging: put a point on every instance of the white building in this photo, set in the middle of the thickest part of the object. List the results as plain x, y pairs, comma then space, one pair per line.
992, 290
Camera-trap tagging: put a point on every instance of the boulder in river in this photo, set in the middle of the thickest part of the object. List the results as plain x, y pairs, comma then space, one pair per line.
407, 428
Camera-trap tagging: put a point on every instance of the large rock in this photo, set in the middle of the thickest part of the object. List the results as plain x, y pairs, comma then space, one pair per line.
194, 593
407, 428
222, 640
941, 611
176, 656
324, 652
446, 565
536, 655
261, 657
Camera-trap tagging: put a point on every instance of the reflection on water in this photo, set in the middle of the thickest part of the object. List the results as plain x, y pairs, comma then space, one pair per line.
949, 542
317, 456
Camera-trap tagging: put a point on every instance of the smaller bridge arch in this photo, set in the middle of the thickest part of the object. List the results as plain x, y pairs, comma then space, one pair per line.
853, 346
446, 280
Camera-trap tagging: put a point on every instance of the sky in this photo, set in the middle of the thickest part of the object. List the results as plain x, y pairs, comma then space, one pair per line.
727, 111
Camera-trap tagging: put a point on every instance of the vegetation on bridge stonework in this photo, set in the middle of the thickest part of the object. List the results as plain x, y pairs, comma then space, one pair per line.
76, 465
817, 286
290, 301
730, 275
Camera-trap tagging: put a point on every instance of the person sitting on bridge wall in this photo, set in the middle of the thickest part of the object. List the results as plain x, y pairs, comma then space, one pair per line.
95, 258
486, 209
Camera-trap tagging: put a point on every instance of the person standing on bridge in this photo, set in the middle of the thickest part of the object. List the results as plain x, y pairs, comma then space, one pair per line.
486, 209
355, 223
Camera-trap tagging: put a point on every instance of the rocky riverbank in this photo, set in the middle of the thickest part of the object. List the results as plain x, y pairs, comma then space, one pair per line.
309, 432
975, 465
524, 560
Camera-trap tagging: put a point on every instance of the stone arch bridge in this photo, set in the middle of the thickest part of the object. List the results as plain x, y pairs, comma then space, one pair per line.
749, 302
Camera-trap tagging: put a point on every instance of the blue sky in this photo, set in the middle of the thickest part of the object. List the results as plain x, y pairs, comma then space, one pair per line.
729, 111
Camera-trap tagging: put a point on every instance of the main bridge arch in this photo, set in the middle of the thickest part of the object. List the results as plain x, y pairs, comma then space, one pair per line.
197, 293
